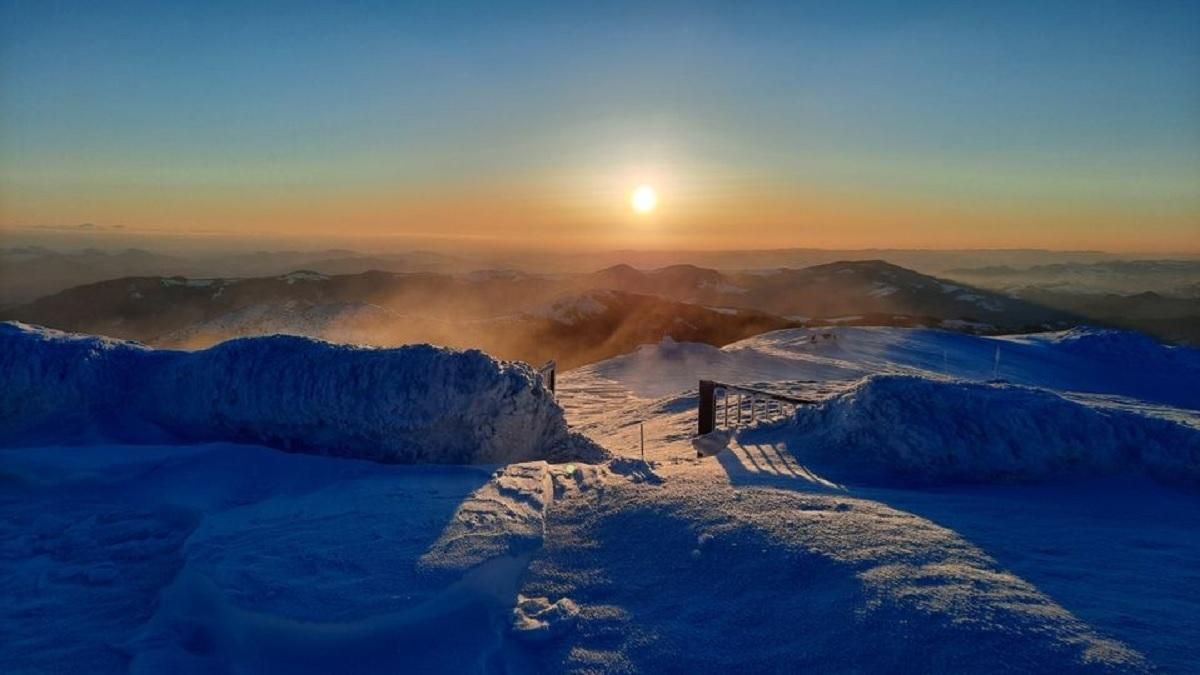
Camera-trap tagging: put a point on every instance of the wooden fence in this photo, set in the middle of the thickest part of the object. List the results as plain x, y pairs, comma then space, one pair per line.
732, 406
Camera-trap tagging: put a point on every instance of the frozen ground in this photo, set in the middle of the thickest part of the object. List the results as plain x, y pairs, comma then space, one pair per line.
768, 555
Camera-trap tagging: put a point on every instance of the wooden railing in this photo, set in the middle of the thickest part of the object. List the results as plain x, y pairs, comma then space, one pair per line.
732, 406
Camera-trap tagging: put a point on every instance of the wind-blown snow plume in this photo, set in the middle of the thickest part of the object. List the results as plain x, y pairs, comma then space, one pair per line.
410, 404
928, 430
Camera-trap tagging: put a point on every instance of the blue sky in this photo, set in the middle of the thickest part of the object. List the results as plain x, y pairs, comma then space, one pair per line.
230, 115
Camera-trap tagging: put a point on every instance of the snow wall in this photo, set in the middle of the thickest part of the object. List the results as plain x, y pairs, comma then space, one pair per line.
923, 430
403, 405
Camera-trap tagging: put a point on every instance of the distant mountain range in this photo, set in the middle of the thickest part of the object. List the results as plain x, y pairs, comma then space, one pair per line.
575, 318
1159, 297
1171, 318
30, 272
1178, 278
835, 290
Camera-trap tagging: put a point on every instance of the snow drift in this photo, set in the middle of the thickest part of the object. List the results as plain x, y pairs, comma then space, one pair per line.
404, 405
927, 430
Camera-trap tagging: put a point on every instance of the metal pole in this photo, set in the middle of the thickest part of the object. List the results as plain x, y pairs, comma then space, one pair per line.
642, 433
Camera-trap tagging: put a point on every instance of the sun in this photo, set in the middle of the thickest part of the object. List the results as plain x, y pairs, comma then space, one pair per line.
644, 199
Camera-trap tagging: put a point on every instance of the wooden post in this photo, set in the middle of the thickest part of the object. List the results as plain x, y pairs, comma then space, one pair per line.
708, 407
547, 373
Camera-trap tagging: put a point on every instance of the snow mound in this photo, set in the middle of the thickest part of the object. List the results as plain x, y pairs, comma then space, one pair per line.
404, 405
918, 429
1123, 346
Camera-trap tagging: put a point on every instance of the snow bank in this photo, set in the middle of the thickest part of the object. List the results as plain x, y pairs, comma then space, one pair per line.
405, 405
926, 430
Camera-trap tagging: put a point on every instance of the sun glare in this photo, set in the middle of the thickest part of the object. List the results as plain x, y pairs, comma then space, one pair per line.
644, 199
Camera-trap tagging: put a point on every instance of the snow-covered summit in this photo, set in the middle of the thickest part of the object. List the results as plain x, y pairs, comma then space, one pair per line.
410, 404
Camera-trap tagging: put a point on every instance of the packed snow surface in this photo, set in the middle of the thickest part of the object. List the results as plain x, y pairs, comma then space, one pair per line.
410, 404
222, 558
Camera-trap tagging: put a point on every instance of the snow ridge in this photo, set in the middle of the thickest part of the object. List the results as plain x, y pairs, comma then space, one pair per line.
405, 405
